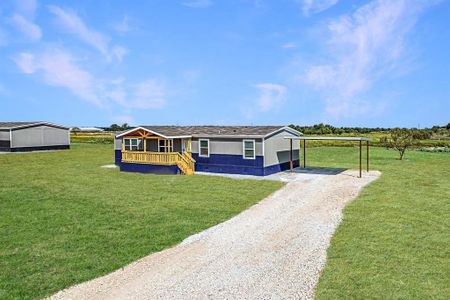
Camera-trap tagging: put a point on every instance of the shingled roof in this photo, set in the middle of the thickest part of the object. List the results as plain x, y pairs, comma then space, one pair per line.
204, 131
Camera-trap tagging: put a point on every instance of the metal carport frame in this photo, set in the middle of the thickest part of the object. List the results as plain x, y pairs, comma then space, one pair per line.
329, 138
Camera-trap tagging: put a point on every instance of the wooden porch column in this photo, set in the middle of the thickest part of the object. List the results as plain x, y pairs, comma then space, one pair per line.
145, 144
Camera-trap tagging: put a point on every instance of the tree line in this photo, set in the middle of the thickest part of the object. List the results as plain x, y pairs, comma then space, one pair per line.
420, 134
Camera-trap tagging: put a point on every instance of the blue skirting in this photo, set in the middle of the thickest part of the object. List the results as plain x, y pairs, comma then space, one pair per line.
149, 169
229, 164
143, 168
216, 163
118, 157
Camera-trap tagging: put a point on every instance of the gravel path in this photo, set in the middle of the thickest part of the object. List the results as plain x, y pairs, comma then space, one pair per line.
273, 250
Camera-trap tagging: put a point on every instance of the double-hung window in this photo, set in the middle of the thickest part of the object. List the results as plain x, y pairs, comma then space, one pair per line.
165, 146
203, 146
249, 149
133, 144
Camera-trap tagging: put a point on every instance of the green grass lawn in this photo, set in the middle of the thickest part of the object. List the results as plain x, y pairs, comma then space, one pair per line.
64, 220
394, 242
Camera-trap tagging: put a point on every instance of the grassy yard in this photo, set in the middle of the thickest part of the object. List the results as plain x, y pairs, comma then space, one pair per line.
64, 220
394, 242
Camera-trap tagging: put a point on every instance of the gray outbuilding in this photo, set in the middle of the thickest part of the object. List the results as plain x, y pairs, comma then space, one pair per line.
33, 136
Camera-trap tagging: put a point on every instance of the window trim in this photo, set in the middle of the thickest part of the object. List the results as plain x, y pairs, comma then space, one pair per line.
165, 146
254, 149
200, 147
131, 144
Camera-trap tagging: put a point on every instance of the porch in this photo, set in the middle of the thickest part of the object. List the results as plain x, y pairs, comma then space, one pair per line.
143, 147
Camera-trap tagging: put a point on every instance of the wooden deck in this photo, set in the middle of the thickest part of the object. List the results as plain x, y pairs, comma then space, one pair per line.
184, 161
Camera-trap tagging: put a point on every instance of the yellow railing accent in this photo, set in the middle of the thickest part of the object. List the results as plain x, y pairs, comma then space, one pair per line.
184, 161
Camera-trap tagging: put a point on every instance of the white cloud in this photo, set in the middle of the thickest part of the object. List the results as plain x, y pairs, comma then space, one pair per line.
271, 96
289, 45
363, 47
119, 52
70, 21
123, 26
58, 68
25, 62
27, 27
26, 7
317, 6
197, 3
149, 94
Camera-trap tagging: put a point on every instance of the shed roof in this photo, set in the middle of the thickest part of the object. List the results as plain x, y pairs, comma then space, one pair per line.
17, 125
219, 131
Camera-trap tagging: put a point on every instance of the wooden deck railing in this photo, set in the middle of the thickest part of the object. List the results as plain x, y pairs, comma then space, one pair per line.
184, 161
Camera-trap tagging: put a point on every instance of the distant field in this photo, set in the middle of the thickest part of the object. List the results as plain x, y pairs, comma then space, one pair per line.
65, 220
93, 138
108, 138
394, 242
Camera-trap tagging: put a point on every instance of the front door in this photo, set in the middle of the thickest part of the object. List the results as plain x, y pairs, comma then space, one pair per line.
183, 145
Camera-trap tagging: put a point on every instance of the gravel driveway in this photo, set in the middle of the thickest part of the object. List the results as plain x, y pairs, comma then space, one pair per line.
273, 250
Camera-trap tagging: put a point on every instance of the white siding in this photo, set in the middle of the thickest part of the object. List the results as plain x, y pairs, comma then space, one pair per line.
40, 136
277, 149
4, 135
232, 146
117, 144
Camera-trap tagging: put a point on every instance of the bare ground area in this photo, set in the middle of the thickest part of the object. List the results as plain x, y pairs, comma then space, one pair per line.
275, 249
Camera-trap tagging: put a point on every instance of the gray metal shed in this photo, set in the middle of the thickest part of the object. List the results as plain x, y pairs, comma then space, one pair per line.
33, 136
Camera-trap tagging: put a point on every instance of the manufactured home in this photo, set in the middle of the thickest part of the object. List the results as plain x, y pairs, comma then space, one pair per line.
251, 150
32, 136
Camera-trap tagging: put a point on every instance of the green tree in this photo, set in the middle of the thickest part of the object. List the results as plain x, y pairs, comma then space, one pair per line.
400, 139
115, 127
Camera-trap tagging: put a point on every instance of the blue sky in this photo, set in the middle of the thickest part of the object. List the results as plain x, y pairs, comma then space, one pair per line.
347, 63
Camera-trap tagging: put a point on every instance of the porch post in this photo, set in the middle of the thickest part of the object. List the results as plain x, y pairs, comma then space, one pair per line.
360, 159
304, 154
145, 144
367, 155
291, 154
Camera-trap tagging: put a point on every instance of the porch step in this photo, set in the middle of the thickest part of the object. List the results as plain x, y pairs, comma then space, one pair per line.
186, 164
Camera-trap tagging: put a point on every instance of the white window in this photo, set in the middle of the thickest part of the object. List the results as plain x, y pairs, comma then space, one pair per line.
133, 144
163, 146
203, 148
249, 149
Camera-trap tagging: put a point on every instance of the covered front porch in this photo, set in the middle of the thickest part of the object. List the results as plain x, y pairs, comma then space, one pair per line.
141, 146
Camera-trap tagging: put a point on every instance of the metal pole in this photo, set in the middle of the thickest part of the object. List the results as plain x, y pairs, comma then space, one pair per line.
360, 159
304, 154
291, 154
367, 155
